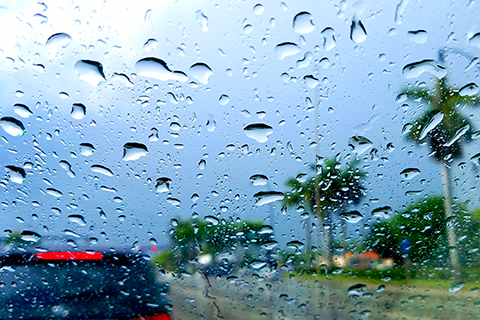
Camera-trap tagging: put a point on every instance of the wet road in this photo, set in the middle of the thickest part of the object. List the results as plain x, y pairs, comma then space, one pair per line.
252, 298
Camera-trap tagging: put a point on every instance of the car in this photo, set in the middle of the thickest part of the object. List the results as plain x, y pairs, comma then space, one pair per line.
80, 285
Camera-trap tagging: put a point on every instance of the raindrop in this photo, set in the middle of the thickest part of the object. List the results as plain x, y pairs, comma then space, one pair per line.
302, 177
211, 219
460, 133
175, 126
54, 192
258, 264
329, 41
470, 89
12, 126
150, 45
265, 197
382, 212
266, 230
22, 110
358, 33
476, 158
258, 131
295, 244
102, 170
211, 125
78, 111
415, 69
122, 78
286, 49
16, 174
360, 144
65, 165
258, 180
418, 36
269, 245
202, 20
201, 72
456, 286
356, 289
90, 71
303, 23
351, 216
133, 151
163, 185
173, 201
57, 42
258, 9
430, 125
158, 69
410, 173
248, 29
86, 149
311, 81
475, 40
201, 164
224, 99
79, 219
30, 236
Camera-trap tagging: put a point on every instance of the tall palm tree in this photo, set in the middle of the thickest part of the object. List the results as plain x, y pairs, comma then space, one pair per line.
444, 129
331, 188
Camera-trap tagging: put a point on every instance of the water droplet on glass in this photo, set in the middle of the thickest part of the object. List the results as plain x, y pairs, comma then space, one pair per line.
78, 111
258, 180
22, 110
163, 185
258, 264
470, 89
12, 126
202, 20
150, 45
86, 149
410, 173
30, 236
358, 33
134, 151
360, 144
122, 78
431, 124
90, 71
57, 42
76, 218
295, 244
211, 125
476, 158
201, 72
418, 36
16, 174
212, 220
460, 133
329, 41
356, 289
456, 286
303, 23
201, 164
54, 192
351, 216
269, 245
265, 197
258, 9
248, 29
65, 165
158, 69
286, 49
382, 212
415, 69
224, 99
475, 40
311, 81
102, 170
258, 131
173, 201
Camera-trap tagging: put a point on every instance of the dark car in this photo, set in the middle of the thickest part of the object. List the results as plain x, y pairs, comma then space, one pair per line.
80, 285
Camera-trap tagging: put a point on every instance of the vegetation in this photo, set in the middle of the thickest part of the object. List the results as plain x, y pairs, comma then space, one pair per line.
191, 238
444, 129
333, 188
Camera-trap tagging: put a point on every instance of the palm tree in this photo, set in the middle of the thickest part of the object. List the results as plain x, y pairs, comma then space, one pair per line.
444, 129
331, 188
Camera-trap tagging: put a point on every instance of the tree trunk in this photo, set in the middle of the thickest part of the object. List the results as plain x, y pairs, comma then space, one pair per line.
447, 200
308, 228
327, 243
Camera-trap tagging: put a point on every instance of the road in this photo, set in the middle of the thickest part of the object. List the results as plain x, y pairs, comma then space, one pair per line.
249, 297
